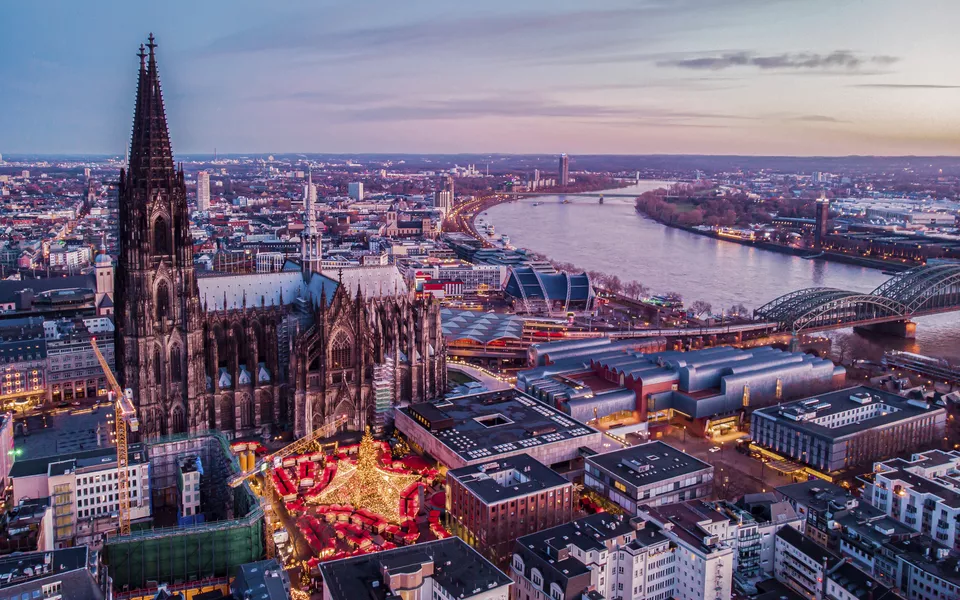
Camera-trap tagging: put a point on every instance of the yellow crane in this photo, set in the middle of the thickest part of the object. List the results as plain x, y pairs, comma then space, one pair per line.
125, 415
298, 447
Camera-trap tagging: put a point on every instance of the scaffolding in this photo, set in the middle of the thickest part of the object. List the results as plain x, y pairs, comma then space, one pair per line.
232, 536
383, 394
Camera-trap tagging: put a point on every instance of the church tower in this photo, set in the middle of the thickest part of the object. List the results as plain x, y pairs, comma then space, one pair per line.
310, 251
158, 317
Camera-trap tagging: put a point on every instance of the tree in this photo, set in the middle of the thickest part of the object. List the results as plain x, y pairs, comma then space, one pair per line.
613, 284
738, 310
700, 307
634, 289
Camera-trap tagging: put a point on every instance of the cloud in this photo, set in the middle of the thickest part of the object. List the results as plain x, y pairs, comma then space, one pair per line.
520, 107
907, 86
802, 61
818, 119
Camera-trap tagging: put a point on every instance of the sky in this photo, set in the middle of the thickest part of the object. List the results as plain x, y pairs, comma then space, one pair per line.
760, 77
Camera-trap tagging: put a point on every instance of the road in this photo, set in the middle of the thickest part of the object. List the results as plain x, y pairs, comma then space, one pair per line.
484, 377
735, 473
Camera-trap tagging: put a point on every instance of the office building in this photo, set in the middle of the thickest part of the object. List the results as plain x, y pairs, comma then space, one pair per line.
711, 388
7, 451
475, 278
564, 171
442, 569
203, 191
492, 504
67, 574
480, 428
23, 362
599, 556
83, 489
73, 371
355, 190
649, 474
841, 429
923, 493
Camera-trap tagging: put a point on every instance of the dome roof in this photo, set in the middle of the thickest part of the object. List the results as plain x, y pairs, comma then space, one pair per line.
103, 259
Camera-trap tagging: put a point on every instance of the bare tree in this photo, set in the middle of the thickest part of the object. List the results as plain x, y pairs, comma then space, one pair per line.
613, 284
738, 310
700, 307
634, 289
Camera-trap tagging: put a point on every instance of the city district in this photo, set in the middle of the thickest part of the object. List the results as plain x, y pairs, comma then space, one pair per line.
294, 377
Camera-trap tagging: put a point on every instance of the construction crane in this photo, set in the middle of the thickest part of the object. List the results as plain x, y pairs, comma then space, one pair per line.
297, 447
125, 415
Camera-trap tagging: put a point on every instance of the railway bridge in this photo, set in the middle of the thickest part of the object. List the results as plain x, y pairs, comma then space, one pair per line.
918, 292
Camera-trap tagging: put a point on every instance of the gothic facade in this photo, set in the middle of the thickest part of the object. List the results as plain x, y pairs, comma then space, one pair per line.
248, 354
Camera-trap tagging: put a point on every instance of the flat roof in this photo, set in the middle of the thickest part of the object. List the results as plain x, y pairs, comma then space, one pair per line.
915, 550
492, 423
840, 401
807, 546
67, 559
648, 463
457, 568
58, 465
66, 433
532, 477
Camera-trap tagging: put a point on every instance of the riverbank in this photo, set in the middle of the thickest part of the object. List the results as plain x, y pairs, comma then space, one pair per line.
860, 261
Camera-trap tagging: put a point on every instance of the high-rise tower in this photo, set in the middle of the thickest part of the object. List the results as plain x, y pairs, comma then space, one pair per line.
203, 191
822, 221
158, 317
564, 169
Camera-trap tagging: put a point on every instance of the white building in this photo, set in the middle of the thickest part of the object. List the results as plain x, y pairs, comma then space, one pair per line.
70, 257
189, 470
704, 564
922, 493
801, 564
84, 490
203, 191
355, 190
614, 557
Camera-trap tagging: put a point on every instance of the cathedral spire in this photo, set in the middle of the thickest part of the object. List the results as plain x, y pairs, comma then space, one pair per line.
151, 156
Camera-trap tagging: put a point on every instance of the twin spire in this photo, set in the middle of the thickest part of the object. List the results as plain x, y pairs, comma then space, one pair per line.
151, 156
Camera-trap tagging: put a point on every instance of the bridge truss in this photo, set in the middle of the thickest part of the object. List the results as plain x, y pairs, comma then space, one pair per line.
922, 290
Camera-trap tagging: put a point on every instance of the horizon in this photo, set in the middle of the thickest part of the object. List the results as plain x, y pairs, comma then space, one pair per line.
620, 78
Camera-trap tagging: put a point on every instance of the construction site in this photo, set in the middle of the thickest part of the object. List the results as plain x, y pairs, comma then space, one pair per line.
230, 533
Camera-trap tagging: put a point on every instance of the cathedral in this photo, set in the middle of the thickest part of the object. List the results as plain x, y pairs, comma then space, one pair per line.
253, 353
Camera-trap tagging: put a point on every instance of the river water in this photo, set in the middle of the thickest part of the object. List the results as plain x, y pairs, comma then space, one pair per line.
614, 238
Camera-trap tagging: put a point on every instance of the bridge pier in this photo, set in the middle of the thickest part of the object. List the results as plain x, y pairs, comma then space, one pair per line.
902, 329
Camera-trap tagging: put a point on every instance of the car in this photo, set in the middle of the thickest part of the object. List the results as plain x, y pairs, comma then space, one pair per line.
715, 449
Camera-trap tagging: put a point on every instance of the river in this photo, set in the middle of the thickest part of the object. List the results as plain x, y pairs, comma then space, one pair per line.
614, 238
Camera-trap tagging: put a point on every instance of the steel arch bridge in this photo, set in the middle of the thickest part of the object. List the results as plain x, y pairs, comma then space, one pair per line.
919, 291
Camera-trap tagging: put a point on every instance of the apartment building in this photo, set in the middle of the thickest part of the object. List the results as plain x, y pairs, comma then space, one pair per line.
602, 555
923, 493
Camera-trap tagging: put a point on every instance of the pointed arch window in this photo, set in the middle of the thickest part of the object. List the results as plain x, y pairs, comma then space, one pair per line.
161, 236
341, 354
176, 368
163, 300
157, 367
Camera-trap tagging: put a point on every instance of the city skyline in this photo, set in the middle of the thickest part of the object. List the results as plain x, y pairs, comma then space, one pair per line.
715, 77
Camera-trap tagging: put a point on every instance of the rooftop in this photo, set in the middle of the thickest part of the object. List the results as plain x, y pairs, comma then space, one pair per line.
480, 327
60, 465
17, 568
454, 566
848, 411
508, 478
807, 546
817, 494
491, 423
648, 463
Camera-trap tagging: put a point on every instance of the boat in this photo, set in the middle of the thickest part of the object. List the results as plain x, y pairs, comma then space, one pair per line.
601, 199
537, 203
565, 201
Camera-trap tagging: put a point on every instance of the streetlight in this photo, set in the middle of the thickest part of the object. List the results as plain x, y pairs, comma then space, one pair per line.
684, 428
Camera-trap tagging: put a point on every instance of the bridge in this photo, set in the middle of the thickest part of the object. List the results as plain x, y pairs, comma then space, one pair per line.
584, 194
918, 292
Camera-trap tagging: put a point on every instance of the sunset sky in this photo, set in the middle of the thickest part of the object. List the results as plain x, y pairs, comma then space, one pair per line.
785, 77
